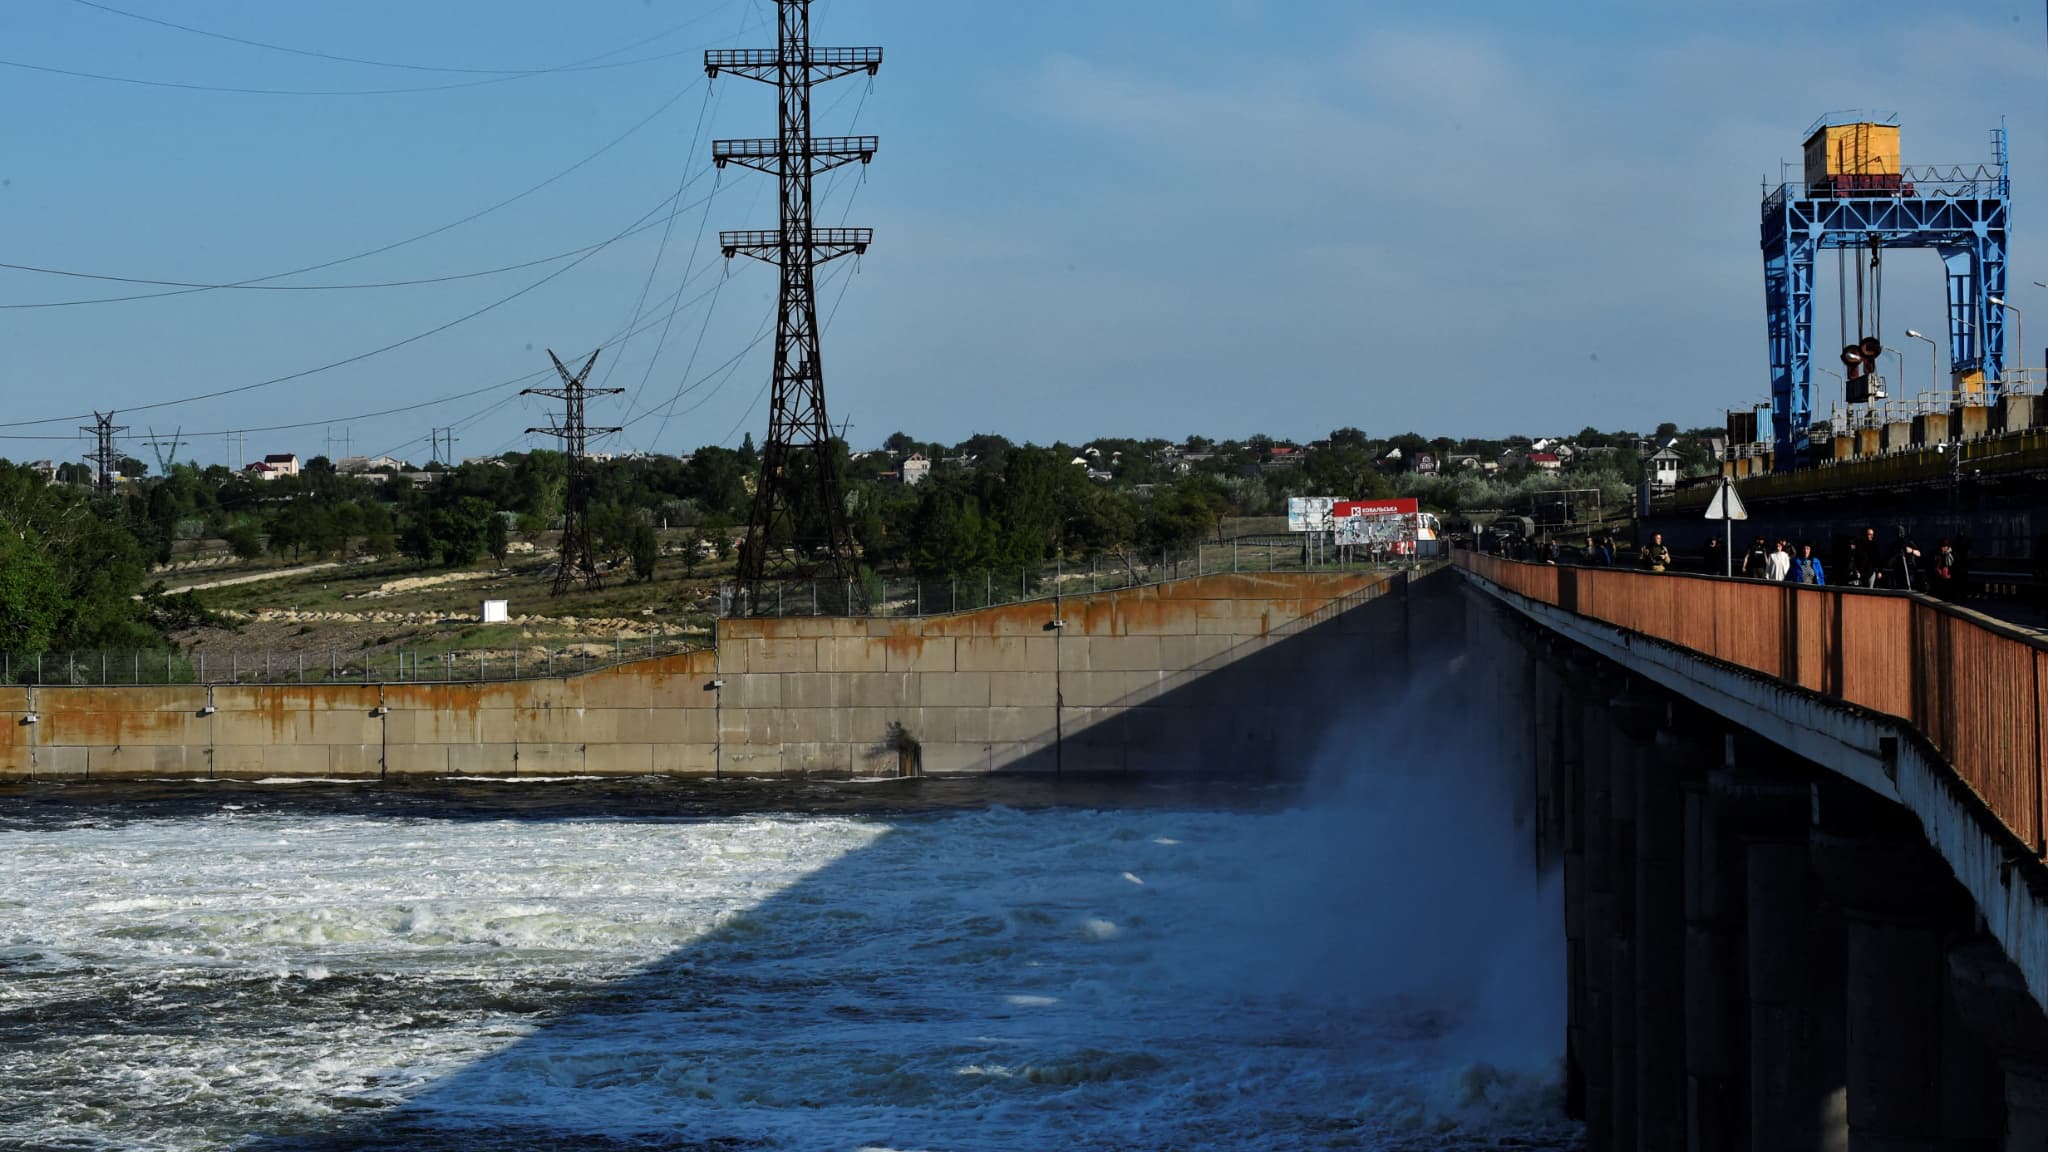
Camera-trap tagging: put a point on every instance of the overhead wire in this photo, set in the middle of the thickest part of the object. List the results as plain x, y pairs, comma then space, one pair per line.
526, 378
342, 59
414, 239
587, 64
189, 288
697, 346
696, 246
667, 229
360, 356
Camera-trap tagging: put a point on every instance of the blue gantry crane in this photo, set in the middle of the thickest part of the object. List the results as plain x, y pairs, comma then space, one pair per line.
1857, 196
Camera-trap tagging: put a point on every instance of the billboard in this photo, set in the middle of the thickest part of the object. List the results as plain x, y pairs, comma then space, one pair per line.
1310, 513
1393, 506
1378, 532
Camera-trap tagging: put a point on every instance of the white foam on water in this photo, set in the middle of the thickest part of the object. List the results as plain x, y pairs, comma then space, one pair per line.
973, 980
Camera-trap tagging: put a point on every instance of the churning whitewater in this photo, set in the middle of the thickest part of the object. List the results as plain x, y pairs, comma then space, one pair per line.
252, 975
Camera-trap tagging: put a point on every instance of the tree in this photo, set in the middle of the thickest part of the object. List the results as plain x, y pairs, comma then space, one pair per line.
284, 535
717, 527
245, 540
379, 537
1182, 515
645, 549
416, 542
496, 540
460, 532
31, 596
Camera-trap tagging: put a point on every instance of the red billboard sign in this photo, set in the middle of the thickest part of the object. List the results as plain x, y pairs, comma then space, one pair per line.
1400, 506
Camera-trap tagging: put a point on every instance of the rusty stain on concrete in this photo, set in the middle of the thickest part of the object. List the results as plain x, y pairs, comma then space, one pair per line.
77, 719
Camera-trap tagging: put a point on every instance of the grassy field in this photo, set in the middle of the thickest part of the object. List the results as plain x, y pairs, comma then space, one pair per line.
377, 609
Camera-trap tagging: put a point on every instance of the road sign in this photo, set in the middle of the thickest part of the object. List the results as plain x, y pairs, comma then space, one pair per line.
1726, 505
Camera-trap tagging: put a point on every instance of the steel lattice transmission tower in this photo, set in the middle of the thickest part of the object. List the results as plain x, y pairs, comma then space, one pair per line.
106, 460
577, 561
798, 525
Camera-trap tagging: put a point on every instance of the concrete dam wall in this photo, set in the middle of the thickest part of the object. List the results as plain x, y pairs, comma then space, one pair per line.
1217, 673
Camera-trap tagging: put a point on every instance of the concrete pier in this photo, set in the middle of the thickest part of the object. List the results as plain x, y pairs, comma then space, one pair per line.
1660, 939
1894, 974
1795, 1039
1599, 855
1991, 1001
1716, 975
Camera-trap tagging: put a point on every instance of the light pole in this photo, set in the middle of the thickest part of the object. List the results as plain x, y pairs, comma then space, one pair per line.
2019, 333
1839, 381
1901, 361
1933, 360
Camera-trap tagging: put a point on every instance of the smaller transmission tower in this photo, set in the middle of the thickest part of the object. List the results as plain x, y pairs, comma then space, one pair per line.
577, 561
106, 461
166, 449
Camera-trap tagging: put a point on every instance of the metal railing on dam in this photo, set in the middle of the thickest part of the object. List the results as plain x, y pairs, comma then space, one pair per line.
1970, 687
877, 595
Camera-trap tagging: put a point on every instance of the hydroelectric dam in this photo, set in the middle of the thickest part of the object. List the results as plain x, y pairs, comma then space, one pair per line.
1492, 854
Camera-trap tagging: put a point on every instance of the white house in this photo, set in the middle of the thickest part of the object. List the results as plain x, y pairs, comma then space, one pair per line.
356, 465
915, 468
274, 465
1662, 468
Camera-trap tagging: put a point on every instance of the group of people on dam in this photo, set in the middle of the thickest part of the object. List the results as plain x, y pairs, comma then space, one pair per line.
1863, 560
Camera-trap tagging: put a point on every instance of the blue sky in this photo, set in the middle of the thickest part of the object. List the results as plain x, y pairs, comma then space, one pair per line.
1149, 217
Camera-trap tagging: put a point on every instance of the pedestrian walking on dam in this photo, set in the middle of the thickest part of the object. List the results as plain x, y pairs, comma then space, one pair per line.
1714, 558
1756, 561
1778, 565
1900, 567
1942, 571
1655, 557
1863, 560
1806, 567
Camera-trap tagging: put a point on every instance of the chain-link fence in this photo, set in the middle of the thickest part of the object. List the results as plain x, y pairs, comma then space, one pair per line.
914, 595
332, 665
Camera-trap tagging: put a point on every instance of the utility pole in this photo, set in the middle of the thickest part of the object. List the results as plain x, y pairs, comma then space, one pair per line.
577, 561
798, 525
445, 437
106, 460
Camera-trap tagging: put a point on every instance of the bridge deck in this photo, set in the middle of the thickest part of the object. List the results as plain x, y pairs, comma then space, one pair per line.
1971, 688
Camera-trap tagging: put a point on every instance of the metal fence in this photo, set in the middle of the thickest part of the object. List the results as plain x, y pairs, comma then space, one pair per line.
1972, 688
914, 595
99, 667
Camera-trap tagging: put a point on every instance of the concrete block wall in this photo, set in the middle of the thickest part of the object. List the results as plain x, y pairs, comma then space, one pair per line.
1214, 673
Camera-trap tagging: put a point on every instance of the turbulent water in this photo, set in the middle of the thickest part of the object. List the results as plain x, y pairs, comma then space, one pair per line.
920, 966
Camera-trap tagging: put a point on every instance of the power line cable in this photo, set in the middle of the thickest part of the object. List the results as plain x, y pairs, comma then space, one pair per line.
590, 63
431, 232
341, 59
667, 229
613, 340
696, 347
358, 357
187, 288
231, 90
